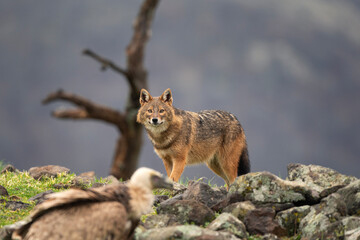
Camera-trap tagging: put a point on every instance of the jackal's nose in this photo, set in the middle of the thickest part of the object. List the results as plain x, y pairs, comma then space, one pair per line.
155, 121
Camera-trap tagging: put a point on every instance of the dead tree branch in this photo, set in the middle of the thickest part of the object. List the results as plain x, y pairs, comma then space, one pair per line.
130, 140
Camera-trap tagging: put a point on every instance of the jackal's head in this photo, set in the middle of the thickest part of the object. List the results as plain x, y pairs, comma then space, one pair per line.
155, 112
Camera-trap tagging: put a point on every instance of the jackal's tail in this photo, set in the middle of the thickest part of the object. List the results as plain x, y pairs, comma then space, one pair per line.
244, 162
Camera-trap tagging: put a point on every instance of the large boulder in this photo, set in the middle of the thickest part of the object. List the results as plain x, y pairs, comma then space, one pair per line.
265, 187
187, 211
183, 232
317, 177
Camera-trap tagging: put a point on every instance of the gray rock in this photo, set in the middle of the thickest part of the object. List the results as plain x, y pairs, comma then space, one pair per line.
48, 171
9, 168
240, 209
84, 179
265, 187
203, 193
183, 232
290, 218
351, 196
226, 222
351, 223
261, 221
317, 177
39, 198
324, 218
16, 205
3, 191
353, 234
187, 211
160, 198
7, 231
160, 221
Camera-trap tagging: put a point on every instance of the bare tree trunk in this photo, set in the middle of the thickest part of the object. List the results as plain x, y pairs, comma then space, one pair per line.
130, 140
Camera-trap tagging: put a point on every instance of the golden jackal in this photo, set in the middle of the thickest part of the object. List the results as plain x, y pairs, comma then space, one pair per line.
182, 137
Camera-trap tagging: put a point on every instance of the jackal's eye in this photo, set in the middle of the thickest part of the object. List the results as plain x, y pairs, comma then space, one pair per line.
161, 111
149, 111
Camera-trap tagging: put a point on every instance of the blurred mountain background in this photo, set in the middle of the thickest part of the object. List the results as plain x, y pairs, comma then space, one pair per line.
290, 72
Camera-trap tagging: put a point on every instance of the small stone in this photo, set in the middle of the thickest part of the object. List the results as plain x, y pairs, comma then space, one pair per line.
228, 223
203, 193
160, 221
261, 221
61, 186
8, 168
15, 205
182, 232
240, 209
187, 211
39, 198
160, 198
3, 191
290, 218
47, 171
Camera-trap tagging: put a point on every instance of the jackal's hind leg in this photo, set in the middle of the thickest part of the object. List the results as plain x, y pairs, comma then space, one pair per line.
215, 166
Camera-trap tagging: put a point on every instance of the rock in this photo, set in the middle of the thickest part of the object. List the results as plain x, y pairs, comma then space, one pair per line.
15, 205
290, 218
226, 222
353, 234
39, 198
160, 221
172, 200
278, 207
261, 221
6, 231
9, 168
182, 232
265, 187
239, 209
351, 223
48, 171
317, 177
84, 179
187, 211
323, 220
97, 185
203, 193
3, 191
111, 179
160, 198
178, 188
61, 186
268, 236
351, 195
228, 200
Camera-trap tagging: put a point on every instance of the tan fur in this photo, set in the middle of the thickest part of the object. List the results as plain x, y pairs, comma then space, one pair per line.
109, 212
182, 137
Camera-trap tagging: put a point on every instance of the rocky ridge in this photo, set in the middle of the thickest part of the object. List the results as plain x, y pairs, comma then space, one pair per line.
314, 202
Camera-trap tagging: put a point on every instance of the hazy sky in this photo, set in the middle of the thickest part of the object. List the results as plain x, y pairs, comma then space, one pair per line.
288, 70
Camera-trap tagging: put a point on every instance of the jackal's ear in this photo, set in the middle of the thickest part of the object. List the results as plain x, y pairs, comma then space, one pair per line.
145, 97
166, 97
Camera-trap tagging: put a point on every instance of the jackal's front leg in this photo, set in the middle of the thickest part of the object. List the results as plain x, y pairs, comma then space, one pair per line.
168, 165
178, 168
